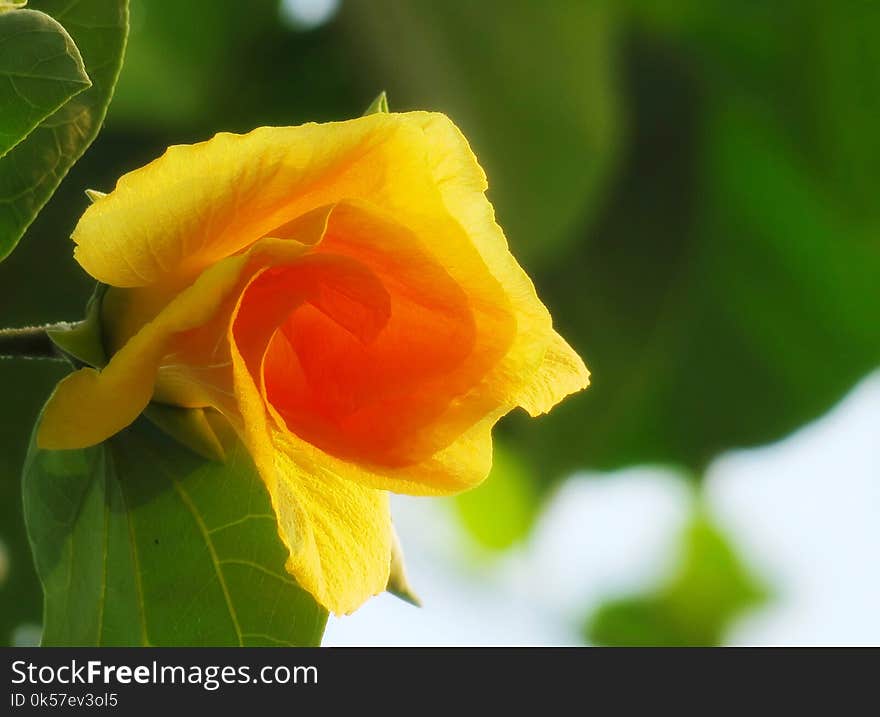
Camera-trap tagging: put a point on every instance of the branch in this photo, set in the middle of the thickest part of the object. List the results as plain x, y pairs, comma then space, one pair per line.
30, 342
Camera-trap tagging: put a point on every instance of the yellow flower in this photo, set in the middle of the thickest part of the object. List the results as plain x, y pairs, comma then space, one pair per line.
339, 292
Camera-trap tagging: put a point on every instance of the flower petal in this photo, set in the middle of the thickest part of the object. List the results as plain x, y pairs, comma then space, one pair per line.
462, 183
337, 531
199, 203
391, 396
343, 531
562, 372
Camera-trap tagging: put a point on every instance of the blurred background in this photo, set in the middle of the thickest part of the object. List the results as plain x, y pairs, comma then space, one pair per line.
693, 186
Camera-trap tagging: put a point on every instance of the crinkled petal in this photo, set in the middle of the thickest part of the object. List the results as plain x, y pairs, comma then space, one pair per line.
561, 372
462, 183
199, 203
343, 531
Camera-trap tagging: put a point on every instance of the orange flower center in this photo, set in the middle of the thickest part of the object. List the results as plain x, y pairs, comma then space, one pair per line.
360, 351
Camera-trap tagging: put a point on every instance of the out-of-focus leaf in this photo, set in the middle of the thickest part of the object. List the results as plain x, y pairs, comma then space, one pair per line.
32, 170
711, 588
531, 84
728, 293
40, 69
501, 510
165, 82
4, 563
191, 66
140, 542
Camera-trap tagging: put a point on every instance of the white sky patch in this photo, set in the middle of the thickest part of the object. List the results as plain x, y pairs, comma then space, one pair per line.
806, 513
308, 14
599, 535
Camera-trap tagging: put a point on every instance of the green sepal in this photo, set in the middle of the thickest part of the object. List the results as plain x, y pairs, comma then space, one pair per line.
82, 342
378, 105
190, 427
398, 583
83, 345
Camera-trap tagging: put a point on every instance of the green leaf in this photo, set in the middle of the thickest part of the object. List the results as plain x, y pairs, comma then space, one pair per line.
22, 384
32, 170
41, 70
711, 588
138, 541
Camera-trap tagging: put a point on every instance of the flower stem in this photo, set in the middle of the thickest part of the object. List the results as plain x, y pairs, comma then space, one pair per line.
30, 342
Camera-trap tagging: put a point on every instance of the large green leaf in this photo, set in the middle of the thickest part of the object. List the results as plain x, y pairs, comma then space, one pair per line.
729, 293
22, 384
710, 589
140, 542
40, 69
32, 170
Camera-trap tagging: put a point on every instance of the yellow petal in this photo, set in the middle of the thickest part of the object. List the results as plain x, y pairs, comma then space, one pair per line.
461, 465
342, 530
126, 310
562, 372
199, 203
462, 183
338, 532
414, 168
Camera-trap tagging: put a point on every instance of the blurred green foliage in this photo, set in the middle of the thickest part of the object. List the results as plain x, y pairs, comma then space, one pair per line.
725, 294
531, 85
691, 184
500, 511
708, 591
